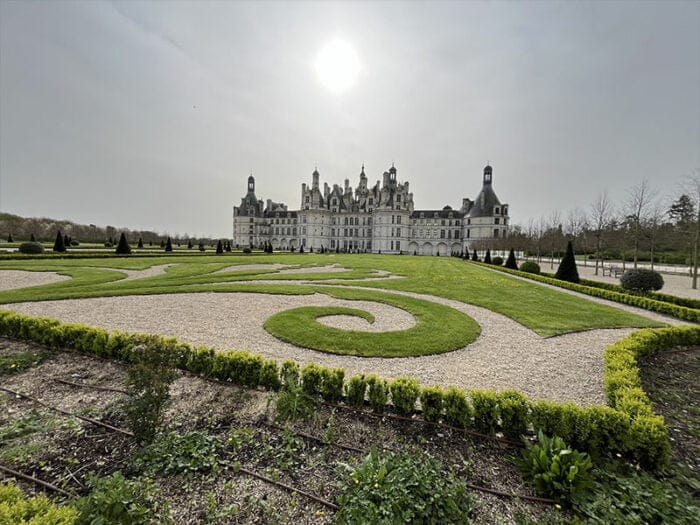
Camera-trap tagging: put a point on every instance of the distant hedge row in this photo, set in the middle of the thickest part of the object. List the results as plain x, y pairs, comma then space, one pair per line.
628, 427
652, 302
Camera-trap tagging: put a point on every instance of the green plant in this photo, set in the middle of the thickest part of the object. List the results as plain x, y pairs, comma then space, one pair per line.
487, 257
458, 411
174, 453
555, 470
497, 261
123, 247
378, 393
567, 270
642, 280
290, 372
59, 245
15, 507
117, 500
330, 434
513, 407
169, 245
270, 375
356, 389
13, 363
404, 394
404, 487
293, 403
332, 384
311, 379
485, 405
30, 247
431, 400
510, 261
530, 267
148, 386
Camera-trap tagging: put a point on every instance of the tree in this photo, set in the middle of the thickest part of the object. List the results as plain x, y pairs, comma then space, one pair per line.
189, 245
475, 256
682, 211
59, 245
601, 211
638, 202
32, 238
228, 246
511, 262
123, 247
219, 247
169, 245
9, 238
693, 186
567, 268
140, 244
487, 257
201, 246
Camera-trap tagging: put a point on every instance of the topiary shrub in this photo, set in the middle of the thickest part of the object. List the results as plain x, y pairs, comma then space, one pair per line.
140, 244
530, 267
332, 384
475, 256
511, 262
404, 394
431, 403
123, 247
169, 245
642, 280
458, 411
485, 405
497, 261
219, 247
487, 257
355, 390
31, 248
513, 407
59, 245
567, 270
245, 250
378, 392
311, 379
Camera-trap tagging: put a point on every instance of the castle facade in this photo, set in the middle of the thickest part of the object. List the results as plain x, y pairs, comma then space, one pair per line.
372, 219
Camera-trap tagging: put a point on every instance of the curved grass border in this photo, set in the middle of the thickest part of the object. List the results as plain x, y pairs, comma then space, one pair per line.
438, 328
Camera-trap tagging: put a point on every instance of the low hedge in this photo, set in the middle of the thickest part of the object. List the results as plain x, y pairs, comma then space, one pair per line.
652, 302
627, 427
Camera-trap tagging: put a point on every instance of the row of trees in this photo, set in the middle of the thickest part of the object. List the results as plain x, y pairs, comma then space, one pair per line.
646, 226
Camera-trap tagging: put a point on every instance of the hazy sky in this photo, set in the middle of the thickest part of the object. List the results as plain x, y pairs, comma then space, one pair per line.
152, 115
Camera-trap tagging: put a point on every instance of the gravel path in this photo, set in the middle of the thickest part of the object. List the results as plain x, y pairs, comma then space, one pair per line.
12, 279
131, 275
506, 355
678, 285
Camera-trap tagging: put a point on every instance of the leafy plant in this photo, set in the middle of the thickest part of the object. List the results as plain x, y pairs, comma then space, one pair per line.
485, 405
554, 469
404, 394
530, 267
293, 403
311, 378
378, 392
513, 407
332, 384
458, 411
401, 487
174, 453
431, 400
355, 389
30, 247
13, 363
15, 507
642, 280
117, 500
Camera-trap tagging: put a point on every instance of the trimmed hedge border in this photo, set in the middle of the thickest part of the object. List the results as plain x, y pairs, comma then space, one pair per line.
627, 427
607, 292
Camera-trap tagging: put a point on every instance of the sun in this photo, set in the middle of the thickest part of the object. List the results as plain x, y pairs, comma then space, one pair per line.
338, 66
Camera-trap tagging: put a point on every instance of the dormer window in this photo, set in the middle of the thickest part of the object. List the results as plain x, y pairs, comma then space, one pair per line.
498, 210
398, 198
306, 199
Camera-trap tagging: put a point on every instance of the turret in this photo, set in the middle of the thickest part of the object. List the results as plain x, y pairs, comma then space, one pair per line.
315, 176
251, 184
488, 174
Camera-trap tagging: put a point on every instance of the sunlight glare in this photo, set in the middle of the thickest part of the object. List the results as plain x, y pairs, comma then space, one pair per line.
338, 66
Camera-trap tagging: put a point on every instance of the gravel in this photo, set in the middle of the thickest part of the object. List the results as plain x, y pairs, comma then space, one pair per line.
678, 285
12, 279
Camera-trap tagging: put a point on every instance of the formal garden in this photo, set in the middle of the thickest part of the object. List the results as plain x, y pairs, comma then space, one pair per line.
316, 388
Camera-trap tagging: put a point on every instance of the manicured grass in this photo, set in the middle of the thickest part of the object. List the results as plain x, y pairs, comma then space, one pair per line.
438, 328
547, 312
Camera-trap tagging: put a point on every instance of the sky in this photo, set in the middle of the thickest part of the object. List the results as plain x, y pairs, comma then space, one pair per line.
153, 114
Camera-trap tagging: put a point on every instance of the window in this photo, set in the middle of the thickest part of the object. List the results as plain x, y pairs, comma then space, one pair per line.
456, 234
294, 232
469, 233
356, 232
449, 234
456, 223
371, 201
398, 232
498, 210
495, 233
442, 234
469, 221
332, 243
333, 220
398, 198
505, 211
398, 245
398, 219
369, 221
392, 245
495, 221
334, 202
393, 219
332, 232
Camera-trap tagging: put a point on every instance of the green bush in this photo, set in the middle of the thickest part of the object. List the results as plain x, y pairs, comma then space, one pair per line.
123, 247
356, 389
497, 261
293, 403
555, 470
15, 507
567, 270
513, 407
485, 403
487, 257
431, 403
458, 411
270, 375
311, 379
530, 267
511, 262
59, 245
332, 384
404, 394
245, 250
641, 280
378, 393
31, 248
116, 500
290, 372
173, 453
404, 487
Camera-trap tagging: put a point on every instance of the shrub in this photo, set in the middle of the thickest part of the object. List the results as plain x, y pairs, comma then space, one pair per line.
355, 389
270, 375
31, 248
487, 257
642, 280
246, 250
458, 411
311, 378
290, 373
530, 267
404, 393
511, 262
293, 403
403, 487
37, 510
332, 384
59, 245
174, 453
9, 238
202, 248
74, 243
378, 392
554, 469
219, 247
431, 403
115, 499
123, 247
513, 407
567, 270
475, 256
485, 405
169, 245
140, 243
497, 261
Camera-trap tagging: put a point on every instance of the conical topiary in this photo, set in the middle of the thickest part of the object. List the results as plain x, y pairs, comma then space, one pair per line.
123, 247
9, 238
140, 244
168, 245
201, 246
475, 257
511, 262
219, 247
32, 238
487, 257
567, 268
59, 245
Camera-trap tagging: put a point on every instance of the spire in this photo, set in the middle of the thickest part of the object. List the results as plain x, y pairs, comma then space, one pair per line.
488, 174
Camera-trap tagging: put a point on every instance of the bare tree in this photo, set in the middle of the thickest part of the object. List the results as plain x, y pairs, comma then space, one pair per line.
575, 226
651, 225
637, 207
692, 185
601, 212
